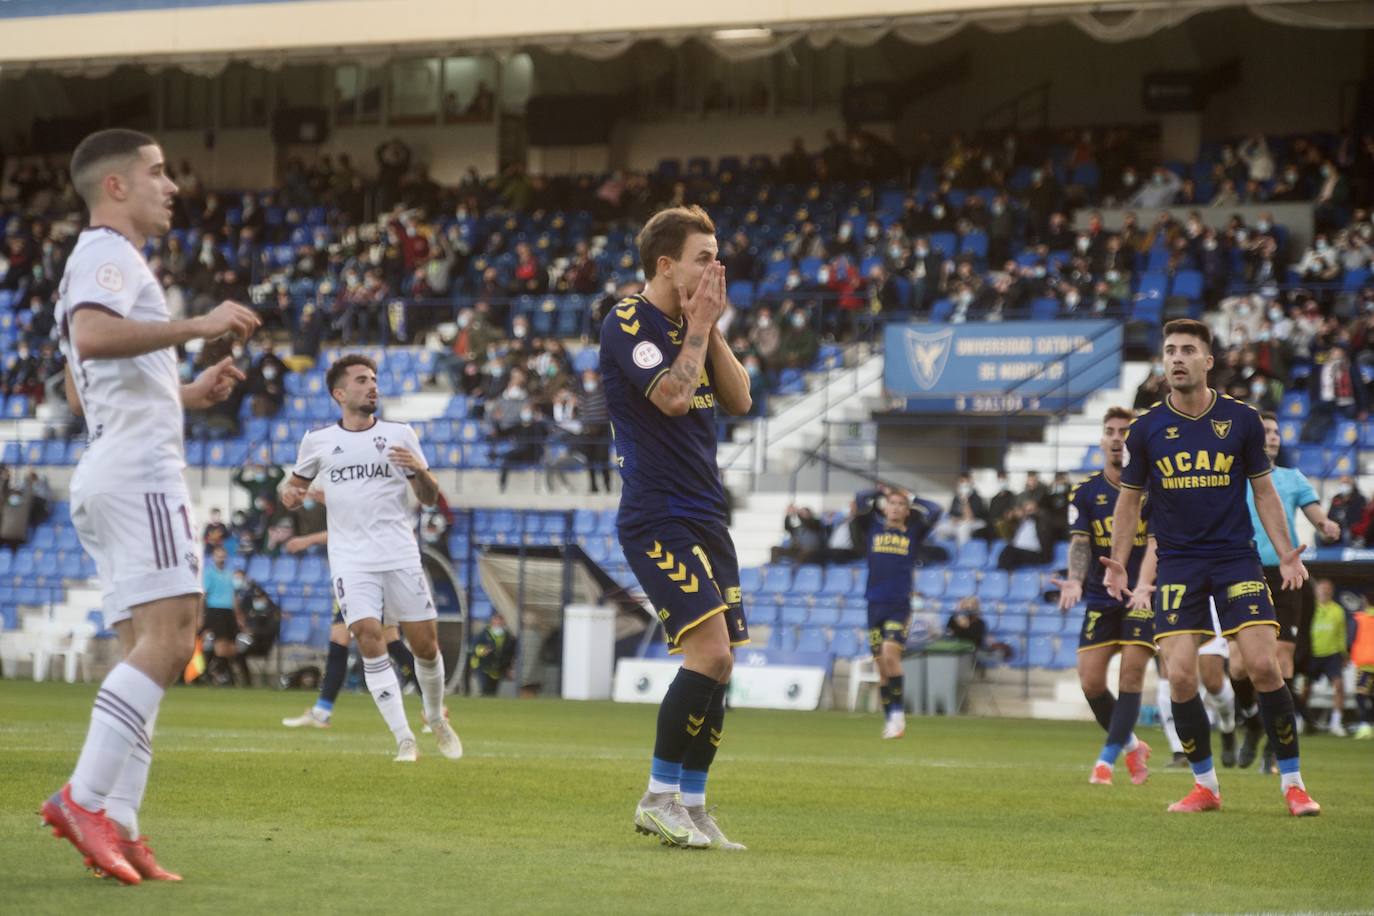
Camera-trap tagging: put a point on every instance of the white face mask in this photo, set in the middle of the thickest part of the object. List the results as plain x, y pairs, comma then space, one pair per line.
965, 490
589, 387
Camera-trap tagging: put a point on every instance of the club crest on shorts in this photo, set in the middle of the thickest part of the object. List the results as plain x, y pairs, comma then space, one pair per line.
193, 562
380, 442
1221, 428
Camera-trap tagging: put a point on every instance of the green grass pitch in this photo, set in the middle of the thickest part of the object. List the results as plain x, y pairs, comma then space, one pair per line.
961, 816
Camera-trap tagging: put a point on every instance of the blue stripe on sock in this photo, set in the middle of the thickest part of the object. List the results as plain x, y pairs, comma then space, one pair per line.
1109, 754
1288, 765
665, 771
1202, 766
324, 705
693, 782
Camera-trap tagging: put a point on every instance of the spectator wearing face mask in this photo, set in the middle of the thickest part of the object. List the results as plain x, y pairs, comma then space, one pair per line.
261, 624
596, 430
967, 513
266, 383
766, 338
527, 439
259, 480
1031, 540
1347, 506
799, 344
1336, 392
216, 533
1159, 191
1321, 263
493, 656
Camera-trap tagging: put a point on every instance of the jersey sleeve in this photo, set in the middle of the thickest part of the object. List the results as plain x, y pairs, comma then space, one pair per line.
1135, 457
1078, 512
1252, 447
1303, 492
625, 340
307, 459
413, 443
104, 277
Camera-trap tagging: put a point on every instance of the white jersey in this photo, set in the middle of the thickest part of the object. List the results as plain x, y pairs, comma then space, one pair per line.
371, 526
132, 405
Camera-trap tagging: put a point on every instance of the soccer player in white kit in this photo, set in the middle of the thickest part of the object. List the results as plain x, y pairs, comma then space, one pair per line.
363, 464
129, 501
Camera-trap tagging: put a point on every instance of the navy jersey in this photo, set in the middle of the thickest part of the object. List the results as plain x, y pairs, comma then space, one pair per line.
1197, 471
1092, 505
667, 464
892, 551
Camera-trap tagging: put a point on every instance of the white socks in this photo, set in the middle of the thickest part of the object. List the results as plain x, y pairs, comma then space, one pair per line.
1223, 703
124, 800
1208, 780
430, 674
1287, 780
386, 693
124, 707
1166, 716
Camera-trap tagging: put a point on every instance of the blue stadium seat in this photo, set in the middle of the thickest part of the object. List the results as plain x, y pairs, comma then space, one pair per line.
1040, 652
1188, 284
1294, 405
845, 643
776, 579
807, 580
1024, 586
930, 582
973, 555
839, 580
296, 630
1061, 555
1046, 622
962, 583
812, 639
1066, 656
993, 586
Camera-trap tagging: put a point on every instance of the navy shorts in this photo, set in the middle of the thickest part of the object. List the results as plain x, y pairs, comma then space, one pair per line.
1114, 625
887, 622
689, 571
1330, 667
1236, 585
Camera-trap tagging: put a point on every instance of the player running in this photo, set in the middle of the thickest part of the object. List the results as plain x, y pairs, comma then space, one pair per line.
362, 464
665, 366
1109, 625
129, 500
1195, 453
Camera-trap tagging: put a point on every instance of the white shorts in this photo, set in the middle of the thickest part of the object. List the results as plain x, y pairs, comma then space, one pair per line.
393, 595
146, 546
1217, 644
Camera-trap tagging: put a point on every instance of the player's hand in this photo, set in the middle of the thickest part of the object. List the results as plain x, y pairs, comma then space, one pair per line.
1070, 592
1291, 568
703, 309
404, 458
1141, 598
1115, 579
238, 321
213, 386
292, 496
1330, 530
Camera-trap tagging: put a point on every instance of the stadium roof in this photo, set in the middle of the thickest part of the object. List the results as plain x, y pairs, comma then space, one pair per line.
203, 36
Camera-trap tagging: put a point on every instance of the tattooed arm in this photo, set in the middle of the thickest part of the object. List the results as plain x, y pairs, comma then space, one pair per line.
673, 392
1071, 586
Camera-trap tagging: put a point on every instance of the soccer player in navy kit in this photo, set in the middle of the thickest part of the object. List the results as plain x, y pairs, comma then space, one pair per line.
665, 366
1109, 626
894, 535
1197, 451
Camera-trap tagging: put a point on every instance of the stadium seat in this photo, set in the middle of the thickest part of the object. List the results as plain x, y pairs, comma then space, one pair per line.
812, 639
973, 555
839, 580
807, 580
1024, 586
776, 579
296, 630
993, 586
962, 583
1040, 652
930, 582
846, 643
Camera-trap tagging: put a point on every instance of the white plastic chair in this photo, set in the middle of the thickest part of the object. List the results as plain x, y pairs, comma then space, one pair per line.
74, 650
863, 671
52, 638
